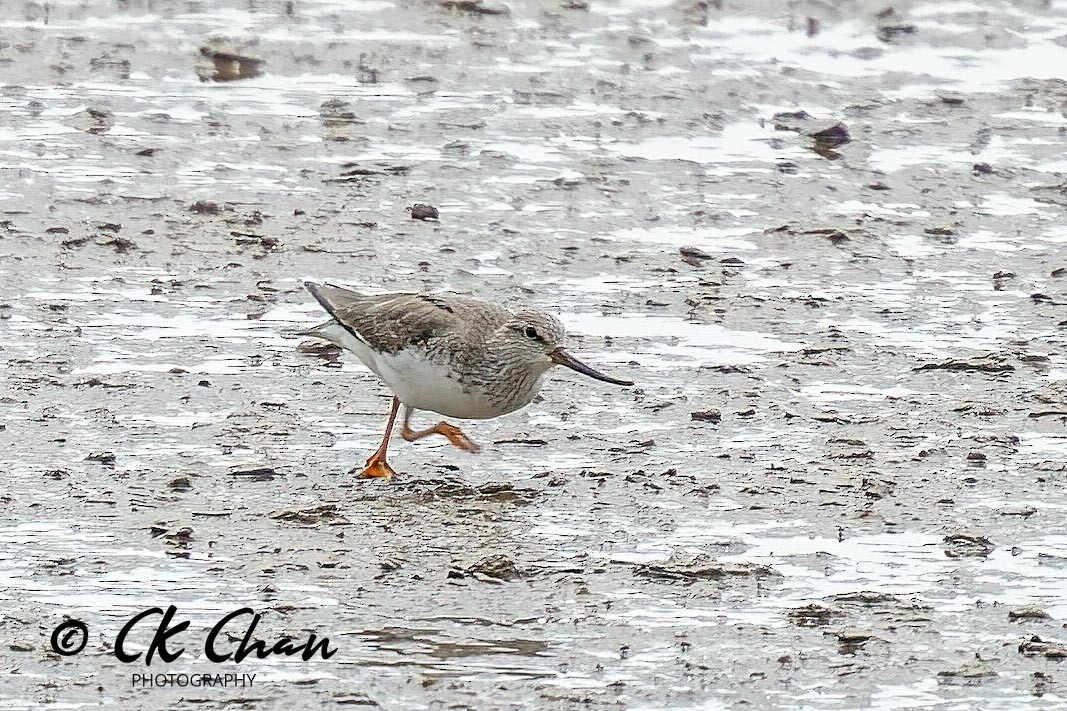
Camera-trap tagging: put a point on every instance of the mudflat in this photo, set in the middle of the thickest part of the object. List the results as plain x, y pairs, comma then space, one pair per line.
826, 240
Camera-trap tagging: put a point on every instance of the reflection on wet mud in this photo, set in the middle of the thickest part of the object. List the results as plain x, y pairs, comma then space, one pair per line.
228, 66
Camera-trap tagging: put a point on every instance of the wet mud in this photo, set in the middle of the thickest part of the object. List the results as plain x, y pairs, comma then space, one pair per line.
825, 239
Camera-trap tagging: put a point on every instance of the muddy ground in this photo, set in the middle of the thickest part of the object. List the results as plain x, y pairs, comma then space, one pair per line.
838, 483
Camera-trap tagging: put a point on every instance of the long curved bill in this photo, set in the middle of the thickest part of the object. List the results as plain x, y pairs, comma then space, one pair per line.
562, 357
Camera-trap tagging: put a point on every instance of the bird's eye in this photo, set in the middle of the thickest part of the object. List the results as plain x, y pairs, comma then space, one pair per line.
530, 332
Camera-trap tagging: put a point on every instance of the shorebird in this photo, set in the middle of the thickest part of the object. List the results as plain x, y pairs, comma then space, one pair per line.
454, 355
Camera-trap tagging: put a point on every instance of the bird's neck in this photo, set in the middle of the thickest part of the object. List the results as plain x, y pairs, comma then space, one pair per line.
517, 383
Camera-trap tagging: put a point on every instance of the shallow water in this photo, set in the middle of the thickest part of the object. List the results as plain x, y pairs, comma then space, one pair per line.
881, 326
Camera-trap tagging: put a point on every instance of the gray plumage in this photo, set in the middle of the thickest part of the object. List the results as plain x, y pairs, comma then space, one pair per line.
447, 353
389, 323
452, 354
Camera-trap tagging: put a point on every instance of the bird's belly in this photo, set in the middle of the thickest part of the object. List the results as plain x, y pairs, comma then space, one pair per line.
424, 384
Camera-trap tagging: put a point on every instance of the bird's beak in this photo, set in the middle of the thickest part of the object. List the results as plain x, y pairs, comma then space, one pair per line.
562, 357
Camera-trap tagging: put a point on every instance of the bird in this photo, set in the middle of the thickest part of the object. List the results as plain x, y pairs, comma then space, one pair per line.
455, 355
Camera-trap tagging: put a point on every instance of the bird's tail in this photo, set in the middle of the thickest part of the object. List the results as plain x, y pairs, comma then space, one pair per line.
316, 331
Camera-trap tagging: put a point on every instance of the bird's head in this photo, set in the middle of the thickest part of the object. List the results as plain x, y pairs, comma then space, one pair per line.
538, 339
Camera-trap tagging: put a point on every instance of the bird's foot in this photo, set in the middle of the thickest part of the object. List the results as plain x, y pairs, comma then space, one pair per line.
376, 467
456, 437
453, 433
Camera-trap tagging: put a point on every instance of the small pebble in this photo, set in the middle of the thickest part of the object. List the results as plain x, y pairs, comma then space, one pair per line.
423, 212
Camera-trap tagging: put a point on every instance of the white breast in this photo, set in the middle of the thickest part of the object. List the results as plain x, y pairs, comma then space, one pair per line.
424, 385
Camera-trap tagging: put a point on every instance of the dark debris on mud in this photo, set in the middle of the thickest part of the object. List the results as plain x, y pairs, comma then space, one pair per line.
703, 567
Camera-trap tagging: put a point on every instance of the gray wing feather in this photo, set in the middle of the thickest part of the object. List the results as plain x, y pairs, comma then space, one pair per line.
392, 322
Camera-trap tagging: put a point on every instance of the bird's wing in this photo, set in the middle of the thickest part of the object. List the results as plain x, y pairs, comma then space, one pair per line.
391, 322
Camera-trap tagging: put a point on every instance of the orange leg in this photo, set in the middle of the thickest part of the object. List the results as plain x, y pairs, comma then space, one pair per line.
376, 465
453, 433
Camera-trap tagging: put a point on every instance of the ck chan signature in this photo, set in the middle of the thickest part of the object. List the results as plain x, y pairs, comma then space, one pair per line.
70, 637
